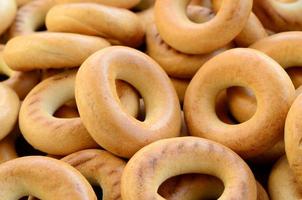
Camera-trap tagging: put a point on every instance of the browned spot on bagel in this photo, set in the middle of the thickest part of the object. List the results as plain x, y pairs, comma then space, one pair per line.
79, 160
116, 183
117, 197
59, 125
112, 172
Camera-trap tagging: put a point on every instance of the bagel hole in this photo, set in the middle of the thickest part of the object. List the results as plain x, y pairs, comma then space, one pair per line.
3, 77
238, 106
98, 191
197, 186
142, 110
295, 74
68, 110
222, 109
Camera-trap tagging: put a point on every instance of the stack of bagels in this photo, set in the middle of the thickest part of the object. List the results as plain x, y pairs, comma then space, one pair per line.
150, 99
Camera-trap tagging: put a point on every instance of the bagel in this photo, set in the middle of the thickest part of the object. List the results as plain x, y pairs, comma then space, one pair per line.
20, 82
175, 63
8, 10
112, 23
100, 168
252, 31
50, 50
157, 162
113, 3
193, 38
37, 123
246, 68
9, 108
285, 48
292, 136
44, 178
30, 17
281, 183
279, 15
101, 111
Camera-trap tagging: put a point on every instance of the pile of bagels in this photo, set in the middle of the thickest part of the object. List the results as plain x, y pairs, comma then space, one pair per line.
150, 99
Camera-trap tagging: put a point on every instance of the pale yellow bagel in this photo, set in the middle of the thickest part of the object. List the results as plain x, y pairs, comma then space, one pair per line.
20, 82
8, 10
106, 120
157, 162
279, 15
44, 178
30, 17
91, 19
292, 137
37, 122
100, 168
175, 63
282, 184
247, 68
114, 3
50, 50
286, 49
9, 109
186, 36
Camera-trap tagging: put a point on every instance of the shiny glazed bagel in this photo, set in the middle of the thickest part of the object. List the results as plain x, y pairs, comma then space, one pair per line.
193, 38
246, 68
8, 10
20, 82
44, 178
9, 109
30, 17
93, 19
157, 162
113, 3
102, 113
44, 131
50, 50
279, 15
282, 184
175, 63
292, 137
100, 168
286, 49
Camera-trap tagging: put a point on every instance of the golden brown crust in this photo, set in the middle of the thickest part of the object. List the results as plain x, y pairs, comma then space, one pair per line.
50, 50
279, 16
8, 10
166, 158
93, 19
258, 72
113, 3
100, 168
194, 38
44, 178
127, 135
282, 184
30, 17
